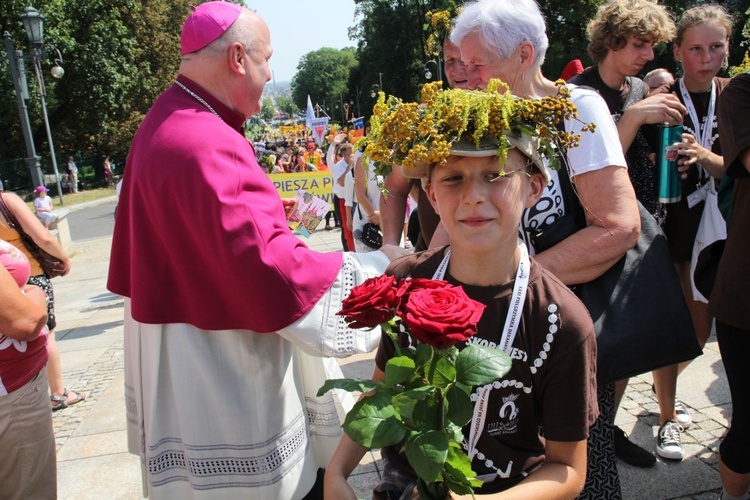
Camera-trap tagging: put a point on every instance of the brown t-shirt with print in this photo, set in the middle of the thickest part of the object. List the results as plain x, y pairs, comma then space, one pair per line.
550, 389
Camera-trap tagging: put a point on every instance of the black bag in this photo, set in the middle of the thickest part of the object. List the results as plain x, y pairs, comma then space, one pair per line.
707, 266
52, 266
640, 316
371, 235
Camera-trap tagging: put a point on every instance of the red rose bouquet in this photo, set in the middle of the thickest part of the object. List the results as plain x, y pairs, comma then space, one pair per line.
424, 400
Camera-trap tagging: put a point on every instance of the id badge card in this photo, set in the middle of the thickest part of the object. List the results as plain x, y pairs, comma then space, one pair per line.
698, 196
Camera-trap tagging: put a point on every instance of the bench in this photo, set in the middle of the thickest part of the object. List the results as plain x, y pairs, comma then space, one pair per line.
60, 228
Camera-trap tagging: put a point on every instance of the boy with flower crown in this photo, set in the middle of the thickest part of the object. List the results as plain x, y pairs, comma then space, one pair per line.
527, 436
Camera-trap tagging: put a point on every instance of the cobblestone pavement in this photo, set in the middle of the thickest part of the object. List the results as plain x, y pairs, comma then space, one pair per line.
94, 381
93, 462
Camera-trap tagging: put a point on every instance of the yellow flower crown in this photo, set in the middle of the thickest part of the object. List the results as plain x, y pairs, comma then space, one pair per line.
412, 134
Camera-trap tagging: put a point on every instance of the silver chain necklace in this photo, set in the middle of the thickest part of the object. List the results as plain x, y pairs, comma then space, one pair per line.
199, 99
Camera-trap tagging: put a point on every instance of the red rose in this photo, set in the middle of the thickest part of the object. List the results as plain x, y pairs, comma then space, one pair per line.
439, 314
371, 303
405, 287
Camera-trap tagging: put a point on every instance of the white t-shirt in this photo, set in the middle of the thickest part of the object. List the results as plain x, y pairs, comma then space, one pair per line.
43, 203
337, 171
595, 151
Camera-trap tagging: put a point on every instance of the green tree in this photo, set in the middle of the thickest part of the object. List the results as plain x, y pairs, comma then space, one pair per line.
286, 104
117, 56
267, 109
323, 75
391, 39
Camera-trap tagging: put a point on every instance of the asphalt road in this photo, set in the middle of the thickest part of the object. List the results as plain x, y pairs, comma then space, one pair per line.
92, 222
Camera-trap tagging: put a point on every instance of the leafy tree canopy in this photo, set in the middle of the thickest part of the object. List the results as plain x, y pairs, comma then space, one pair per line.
286, 104
391, 40
323, 75
117, 57
267, 109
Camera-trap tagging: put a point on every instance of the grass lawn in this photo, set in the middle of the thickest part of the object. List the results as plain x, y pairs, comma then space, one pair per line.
80, 197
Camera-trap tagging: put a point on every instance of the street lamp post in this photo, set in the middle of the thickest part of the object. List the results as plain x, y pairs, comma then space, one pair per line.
18, 74
428, 73
33, 22
374, 89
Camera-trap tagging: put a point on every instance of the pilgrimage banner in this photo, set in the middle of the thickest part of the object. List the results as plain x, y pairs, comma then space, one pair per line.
316, 183
319, 127
359, 129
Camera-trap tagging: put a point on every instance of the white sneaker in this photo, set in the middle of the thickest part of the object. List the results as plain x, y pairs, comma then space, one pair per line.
668, 442
683, 415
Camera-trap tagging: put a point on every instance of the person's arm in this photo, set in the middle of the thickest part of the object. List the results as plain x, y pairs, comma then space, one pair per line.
360, 189
691, 152
345, 459
22, 316
562, 475
331, 154
745, 159
36, 230
320, 332
659, 108
393, 206
613, 227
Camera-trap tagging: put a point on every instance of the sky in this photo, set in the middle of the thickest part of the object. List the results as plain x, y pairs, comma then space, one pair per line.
301, 26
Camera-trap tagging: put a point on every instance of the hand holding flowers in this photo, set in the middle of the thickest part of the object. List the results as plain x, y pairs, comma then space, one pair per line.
424, 400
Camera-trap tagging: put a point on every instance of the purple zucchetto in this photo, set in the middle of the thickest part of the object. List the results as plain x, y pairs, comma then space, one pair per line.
207, 23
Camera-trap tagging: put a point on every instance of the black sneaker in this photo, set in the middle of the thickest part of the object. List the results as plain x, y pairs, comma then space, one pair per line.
631, 453
668, 442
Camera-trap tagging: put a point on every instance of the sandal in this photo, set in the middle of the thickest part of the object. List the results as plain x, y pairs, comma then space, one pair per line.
62, 402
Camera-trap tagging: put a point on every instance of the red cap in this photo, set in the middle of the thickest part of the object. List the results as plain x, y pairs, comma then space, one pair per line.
573, 68
207, 23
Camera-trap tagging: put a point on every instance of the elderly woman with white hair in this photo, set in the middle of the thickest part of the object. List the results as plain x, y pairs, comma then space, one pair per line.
507, 40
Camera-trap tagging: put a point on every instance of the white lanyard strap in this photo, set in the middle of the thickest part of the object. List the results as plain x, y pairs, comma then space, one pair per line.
506, 339
703, 132
517, 299
478, 418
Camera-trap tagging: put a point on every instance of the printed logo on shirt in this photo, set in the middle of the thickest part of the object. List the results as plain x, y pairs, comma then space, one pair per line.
515, 353
508, 423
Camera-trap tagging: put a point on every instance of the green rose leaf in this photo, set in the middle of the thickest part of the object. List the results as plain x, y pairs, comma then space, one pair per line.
424, 354
347, 384
398, 370
373, 422
426, 415
460, 408
440, 372
426, 452
458, 472
406, 402
478, 365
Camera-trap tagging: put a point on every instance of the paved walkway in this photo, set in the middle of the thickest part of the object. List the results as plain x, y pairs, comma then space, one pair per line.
93, 462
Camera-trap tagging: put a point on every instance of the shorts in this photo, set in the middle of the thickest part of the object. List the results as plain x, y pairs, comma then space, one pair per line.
43, 282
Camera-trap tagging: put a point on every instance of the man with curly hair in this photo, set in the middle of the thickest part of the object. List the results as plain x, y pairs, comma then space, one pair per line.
622, 36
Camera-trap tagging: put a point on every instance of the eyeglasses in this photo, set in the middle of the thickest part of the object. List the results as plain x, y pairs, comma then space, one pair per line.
506, 175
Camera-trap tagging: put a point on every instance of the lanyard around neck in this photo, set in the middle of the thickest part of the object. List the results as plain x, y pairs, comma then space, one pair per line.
506, 340
517, 299
703, 131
